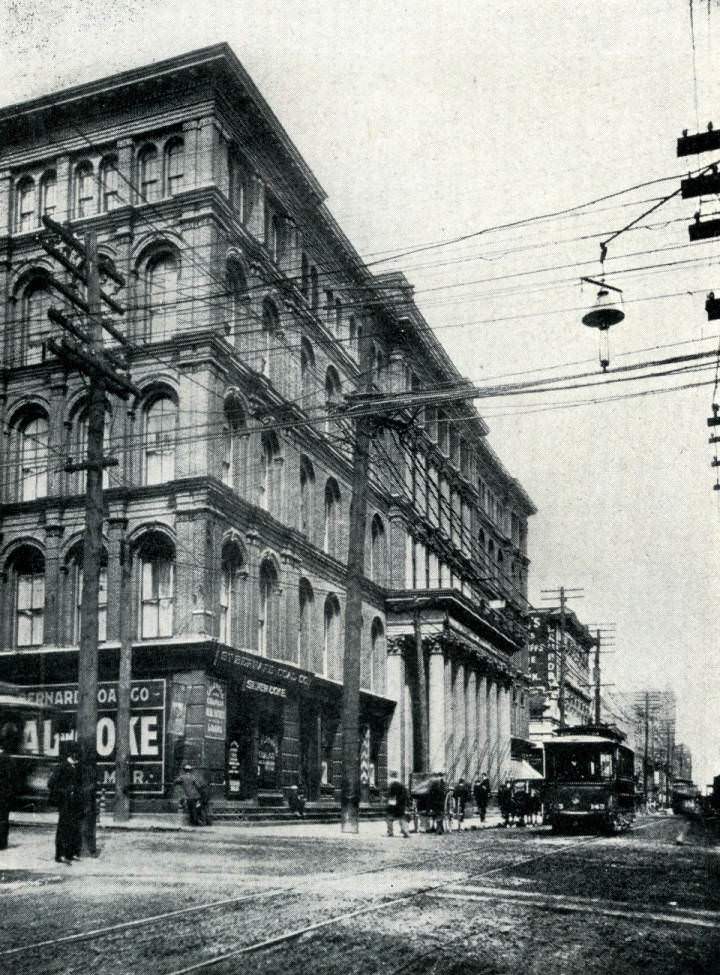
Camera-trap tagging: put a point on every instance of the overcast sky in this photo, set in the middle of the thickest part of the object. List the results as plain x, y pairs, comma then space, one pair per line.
425, 121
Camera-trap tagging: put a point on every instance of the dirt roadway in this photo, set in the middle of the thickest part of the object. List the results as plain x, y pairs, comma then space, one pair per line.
495, 901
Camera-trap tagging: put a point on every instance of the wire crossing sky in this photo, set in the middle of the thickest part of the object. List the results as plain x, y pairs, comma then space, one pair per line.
427, 122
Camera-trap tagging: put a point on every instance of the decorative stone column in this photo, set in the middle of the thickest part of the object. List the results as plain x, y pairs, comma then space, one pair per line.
206, 144
56, 472
395, 687
471, 725
436, 709
52, 618
491, 714
482, 735
289, 608
252, 539
459, 721
499, 731
63, 189
190, 136
126, 165
505, 732
256, 207
6, 213
117, 526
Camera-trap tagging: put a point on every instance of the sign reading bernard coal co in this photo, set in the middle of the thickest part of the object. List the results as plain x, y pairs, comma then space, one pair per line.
147, 729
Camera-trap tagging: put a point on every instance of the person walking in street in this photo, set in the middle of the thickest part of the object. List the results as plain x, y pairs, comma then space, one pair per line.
460, 797
7, 791
396, 805
193, 795
481, 795
65, 792
505, 802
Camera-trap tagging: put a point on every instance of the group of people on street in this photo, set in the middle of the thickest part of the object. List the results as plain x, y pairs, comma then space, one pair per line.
519, 806
462, 795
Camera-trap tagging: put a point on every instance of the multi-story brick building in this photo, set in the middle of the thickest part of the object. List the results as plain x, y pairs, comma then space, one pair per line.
245, 304
547, 669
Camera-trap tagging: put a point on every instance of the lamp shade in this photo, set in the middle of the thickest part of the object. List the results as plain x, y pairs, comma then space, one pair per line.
604, 312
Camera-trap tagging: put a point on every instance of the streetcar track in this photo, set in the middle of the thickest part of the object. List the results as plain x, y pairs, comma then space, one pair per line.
310, 929
564, 903
285, 891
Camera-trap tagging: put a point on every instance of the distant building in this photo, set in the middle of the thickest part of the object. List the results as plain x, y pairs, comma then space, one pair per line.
648, 716
558, 672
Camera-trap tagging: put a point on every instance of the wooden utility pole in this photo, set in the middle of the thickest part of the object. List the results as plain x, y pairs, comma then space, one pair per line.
92, 554
85, 352
121, 809
421, 731
596, 677
561, 668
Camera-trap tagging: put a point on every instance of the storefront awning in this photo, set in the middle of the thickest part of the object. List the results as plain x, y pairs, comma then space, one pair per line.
521, 771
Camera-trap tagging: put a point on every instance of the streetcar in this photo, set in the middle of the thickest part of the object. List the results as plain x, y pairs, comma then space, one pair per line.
684, 796
30, 735
589, 780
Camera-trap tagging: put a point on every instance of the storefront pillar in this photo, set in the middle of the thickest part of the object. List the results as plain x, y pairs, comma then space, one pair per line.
52, 621
459, 722
481, 712
436, 709
505, 733
395, 685
498, 731
471, 726
491, 713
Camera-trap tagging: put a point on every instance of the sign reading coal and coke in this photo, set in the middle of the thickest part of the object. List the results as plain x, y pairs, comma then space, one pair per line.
147, 729
238, 665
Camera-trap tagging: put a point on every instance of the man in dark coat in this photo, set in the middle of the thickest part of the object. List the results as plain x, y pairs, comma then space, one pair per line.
65, 788
481, 795
460, 796
7, 791
396, 805
193, 795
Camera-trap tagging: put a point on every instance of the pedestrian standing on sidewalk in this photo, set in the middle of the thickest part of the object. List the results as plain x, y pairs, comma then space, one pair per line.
460, 796
193, 795
481, 794
396, 805
65, 792
7, 791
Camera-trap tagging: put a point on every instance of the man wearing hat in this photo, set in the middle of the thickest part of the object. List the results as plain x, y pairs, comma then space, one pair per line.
396, 802
193, 795
65, 792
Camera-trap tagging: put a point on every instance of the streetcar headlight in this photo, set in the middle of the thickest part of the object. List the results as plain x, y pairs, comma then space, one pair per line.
597, 805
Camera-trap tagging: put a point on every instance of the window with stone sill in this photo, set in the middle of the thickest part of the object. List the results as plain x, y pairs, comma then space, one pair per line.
28, 567
174, 166
85, 193
25, 218
148, 168
109, 184
157, 588
160, 436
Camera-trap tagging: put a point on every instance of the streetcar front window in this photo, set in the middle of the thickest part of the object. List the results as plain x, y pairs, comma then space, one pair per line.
580, 765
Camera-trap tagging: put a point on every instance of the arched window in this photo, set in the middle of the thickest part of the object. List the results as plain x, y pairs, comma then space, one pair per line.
270, 473
270, 324
74, 568
331, 540
48, 188
157, 586
232, 563
35, 325
239, 189
331, 636
28, 575
174, 166
79, 448
338, 316
377, 654
84, 190
233, 443
109, 183
148, 174
269, 615
160, 424
25, 205
378, 551
237, 309
33, 431
306, 608
304, 275
314, 289
162, 296
307, 496
333, 395
307, 372
275, 238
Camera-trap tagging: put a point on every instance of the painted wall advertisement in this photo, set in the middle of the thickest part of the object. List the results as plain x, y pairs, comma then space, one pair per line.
147, 729
215, 711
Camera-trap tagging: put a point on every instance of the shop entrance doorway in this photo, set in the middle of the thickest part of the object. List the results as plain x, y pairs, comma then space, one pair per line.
254, 745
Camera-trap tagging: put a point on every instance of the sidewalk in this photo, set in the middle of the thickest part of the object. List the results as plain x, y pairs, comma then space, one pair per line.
177, 823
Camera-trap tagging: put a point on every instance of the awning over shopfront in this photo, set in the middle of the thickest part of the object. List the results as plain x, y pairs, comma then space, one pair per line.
521, 771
